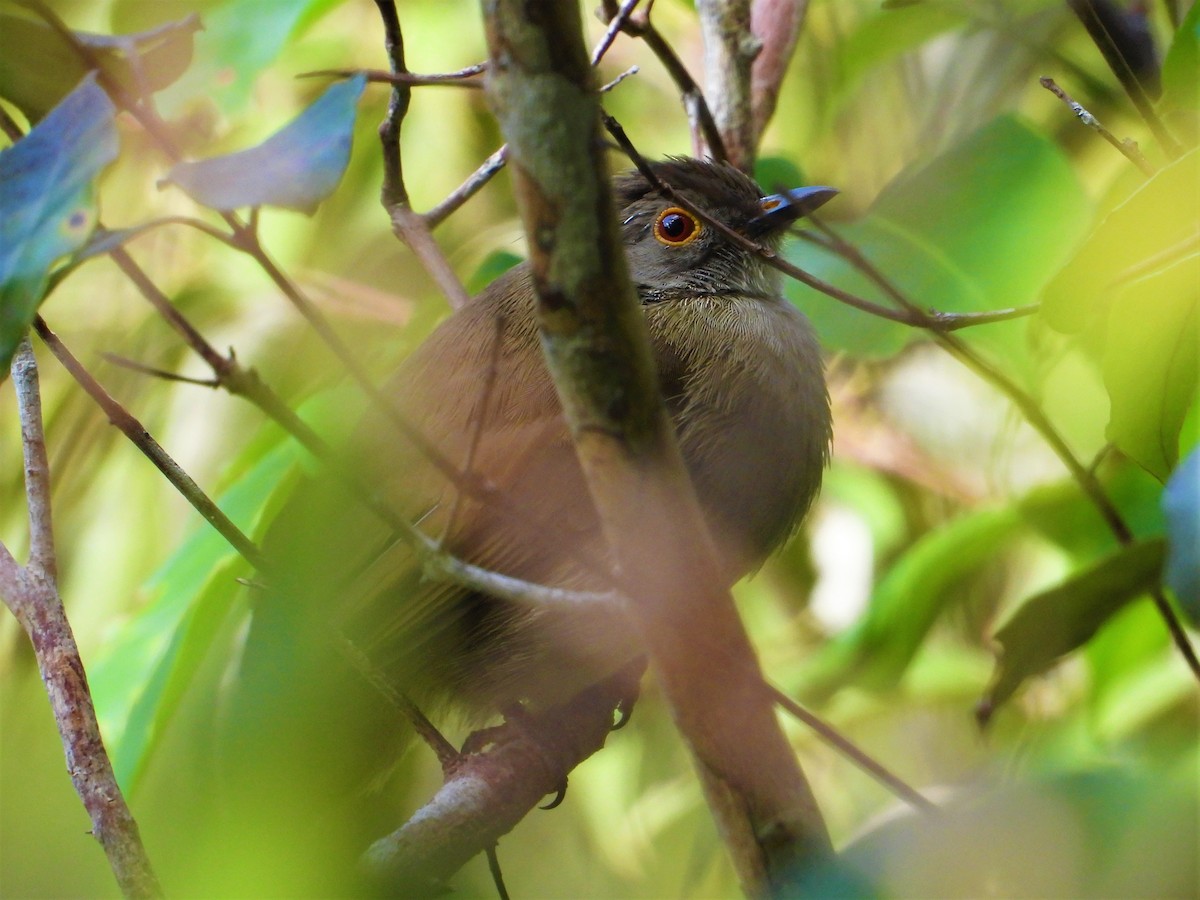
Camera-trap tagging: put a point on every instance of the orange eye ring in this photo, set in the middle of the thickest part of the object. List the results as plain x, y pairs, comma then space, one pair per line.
675, 227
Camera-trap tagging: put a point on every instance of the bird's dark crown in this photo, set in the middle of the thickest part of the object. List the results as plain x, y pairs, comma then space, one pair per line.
718, 187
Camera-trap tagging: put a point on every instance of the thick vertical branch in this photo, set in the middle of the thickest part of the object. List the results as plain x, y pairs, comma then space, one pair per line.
31, 593
730, 48
596, 345
776, 24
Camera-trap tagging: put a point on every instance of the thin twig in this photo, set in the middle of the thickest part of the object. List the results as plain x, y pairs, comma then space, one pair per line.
497, 873
445, 752
135, 366
463, 78
467, 189
615, 24
853, 752
1115, 57
1128, 148
704, 126
632, 70
141, 438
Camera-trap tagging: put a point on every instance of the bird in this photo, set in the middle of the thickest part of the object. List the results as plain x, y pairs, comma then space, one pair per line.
742, 378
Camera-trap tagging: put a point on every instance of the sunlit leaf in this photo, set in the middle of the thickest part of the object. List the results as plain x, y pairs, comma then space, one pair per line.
1157, 224
1150, 362
1181, 503
1181, 73
979, 228
1055, 622
47, 207
296, 168
38, 67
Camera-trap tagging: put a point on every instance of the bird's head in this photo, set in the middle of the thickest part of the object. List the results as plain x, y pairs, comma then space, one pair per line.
674, 254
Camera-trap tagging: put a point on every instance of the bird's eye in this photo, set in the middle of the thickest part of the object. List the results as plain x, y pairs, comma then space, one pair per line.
676, 226
770, 203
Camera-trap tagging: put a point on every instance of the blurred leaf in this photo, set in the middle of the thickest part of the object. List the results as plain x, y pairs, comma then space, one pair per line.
139, 683
493, 266
1181, 68
1181, 503
777, 173
1151, 228
296, 168
981, 227
240, 38
1150, 362
907, 601
1055, 622
1094, 833
38, 67
47, 208
1063, 514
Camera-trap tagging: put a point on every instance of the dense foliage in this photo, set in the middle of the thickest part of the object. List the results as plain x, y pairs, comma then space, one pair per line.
973, 599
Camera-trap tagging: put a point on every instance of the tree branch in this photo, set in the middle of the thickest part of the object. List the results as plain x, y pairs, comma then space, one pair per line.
31, 593
541, 87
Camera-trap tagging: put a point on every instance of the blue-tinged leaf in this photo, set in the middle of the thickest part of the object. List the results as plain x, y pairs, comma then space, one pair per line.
296, 168
1181, 503
47, 207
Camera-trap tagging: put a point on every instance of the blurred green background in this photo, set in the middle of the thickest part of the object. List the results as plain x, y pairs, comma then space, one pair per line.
943, 515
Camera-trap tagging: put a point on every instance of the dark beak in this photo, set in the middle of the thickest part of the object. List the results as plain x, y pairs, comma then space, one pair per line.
781, 210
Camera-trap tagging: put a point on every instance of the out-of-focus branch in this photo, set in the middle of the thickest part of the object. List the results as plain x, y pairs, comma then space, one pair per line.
730, 48
597, 349
31, 593
464, 78
776, 24
1128, 147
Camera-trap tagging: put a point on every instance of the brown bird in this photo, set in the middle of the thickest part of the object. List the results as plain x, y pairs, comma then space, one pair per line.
741, 373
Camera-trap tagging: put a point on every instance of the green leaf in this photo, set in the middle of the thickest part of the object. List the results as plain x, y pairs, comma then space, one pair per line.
241, 38
47, 207
981, 227
139, 684
907, 601
493, 266
296, 168
1150, 362
1181, 72
1156, 224
38, 67
1053, 623
1181, 504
